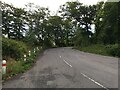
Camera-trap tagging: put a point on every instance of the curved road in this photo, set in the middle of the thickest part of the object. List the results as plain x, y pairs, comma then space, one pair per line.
69, 68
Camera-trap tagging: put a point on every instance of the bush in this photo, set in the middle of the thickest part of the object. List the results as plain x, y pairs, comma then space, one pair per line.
109, 50
13, 49
98, 49
113, 50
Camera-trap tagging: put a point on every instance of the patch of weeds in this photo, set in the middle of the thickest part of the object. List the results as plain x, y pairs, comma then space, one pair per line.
20, 66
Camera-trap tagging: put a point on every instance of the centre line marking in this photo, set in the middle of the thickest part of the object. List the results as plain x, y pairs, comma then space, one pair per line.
60, 56
95, 81
67, 63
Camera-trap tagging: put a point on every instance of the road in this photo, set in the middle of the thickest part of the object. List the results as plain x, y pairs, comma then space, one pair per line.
69, 68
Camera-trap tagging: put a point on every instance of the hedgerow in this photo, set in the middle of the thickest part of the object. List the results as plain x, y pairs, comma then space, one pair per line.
13, 49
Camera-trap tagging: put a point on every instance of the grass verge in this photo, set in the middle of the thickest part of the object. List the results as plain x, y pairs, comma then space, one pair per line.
16, 67
107, 50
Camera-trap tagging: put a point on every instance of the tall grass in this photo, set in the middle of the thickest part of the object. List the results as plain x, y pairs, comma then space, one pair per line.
107, 50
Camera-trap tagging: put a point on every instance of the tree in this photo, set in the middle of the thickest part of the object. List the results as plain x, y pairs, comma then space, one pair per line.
55, 23
82, 17
13, 21
107, 23
7, 17
35, 21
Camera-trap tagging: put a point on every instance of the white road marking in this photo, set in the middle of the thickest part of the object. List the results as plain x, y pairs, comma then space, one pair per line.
60, 56
87, 76
95, 81
67, 63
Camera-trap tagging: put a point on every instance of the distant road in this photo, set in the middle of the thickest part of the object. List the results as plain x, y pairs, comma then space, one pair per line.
69, 68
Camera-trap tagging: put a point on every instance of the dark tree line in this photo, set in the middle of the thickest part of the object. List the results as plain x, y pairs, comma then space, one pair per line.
71, 26
108, 23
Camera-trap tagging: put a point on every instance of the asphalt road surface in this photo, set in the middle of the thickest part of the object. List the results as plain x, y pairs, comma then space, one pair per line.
69, 68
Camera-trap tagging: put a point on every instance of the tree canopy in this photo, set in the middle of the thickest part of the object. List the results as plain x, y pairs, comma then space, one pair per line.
72, 25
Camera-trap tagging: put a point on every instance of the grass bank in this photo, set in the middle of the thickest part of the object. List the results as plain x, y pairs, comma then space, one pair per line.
107, 50
15, 67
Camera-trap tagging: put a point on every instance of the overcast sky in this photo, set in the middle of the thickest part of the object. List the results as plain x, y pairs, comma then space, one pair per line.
52, 4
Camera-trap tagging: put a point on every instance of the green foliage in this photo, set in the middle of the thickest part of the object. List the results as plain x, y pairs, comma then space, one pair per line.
113, 50
55, 24
13, 49
16, 67
84, 15
13, 22
107, 23
36, 22
80, 38
70, 26
108, 50
97, 49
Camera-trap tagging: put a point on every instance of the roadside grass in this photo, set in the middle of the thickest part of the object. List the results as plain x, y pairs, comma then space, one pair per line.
106, 50
16, 67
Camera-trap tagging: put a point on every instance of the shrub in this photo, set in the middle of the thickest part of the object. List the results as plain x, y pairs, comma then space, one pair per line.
113, 50
109, 50
13, 49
